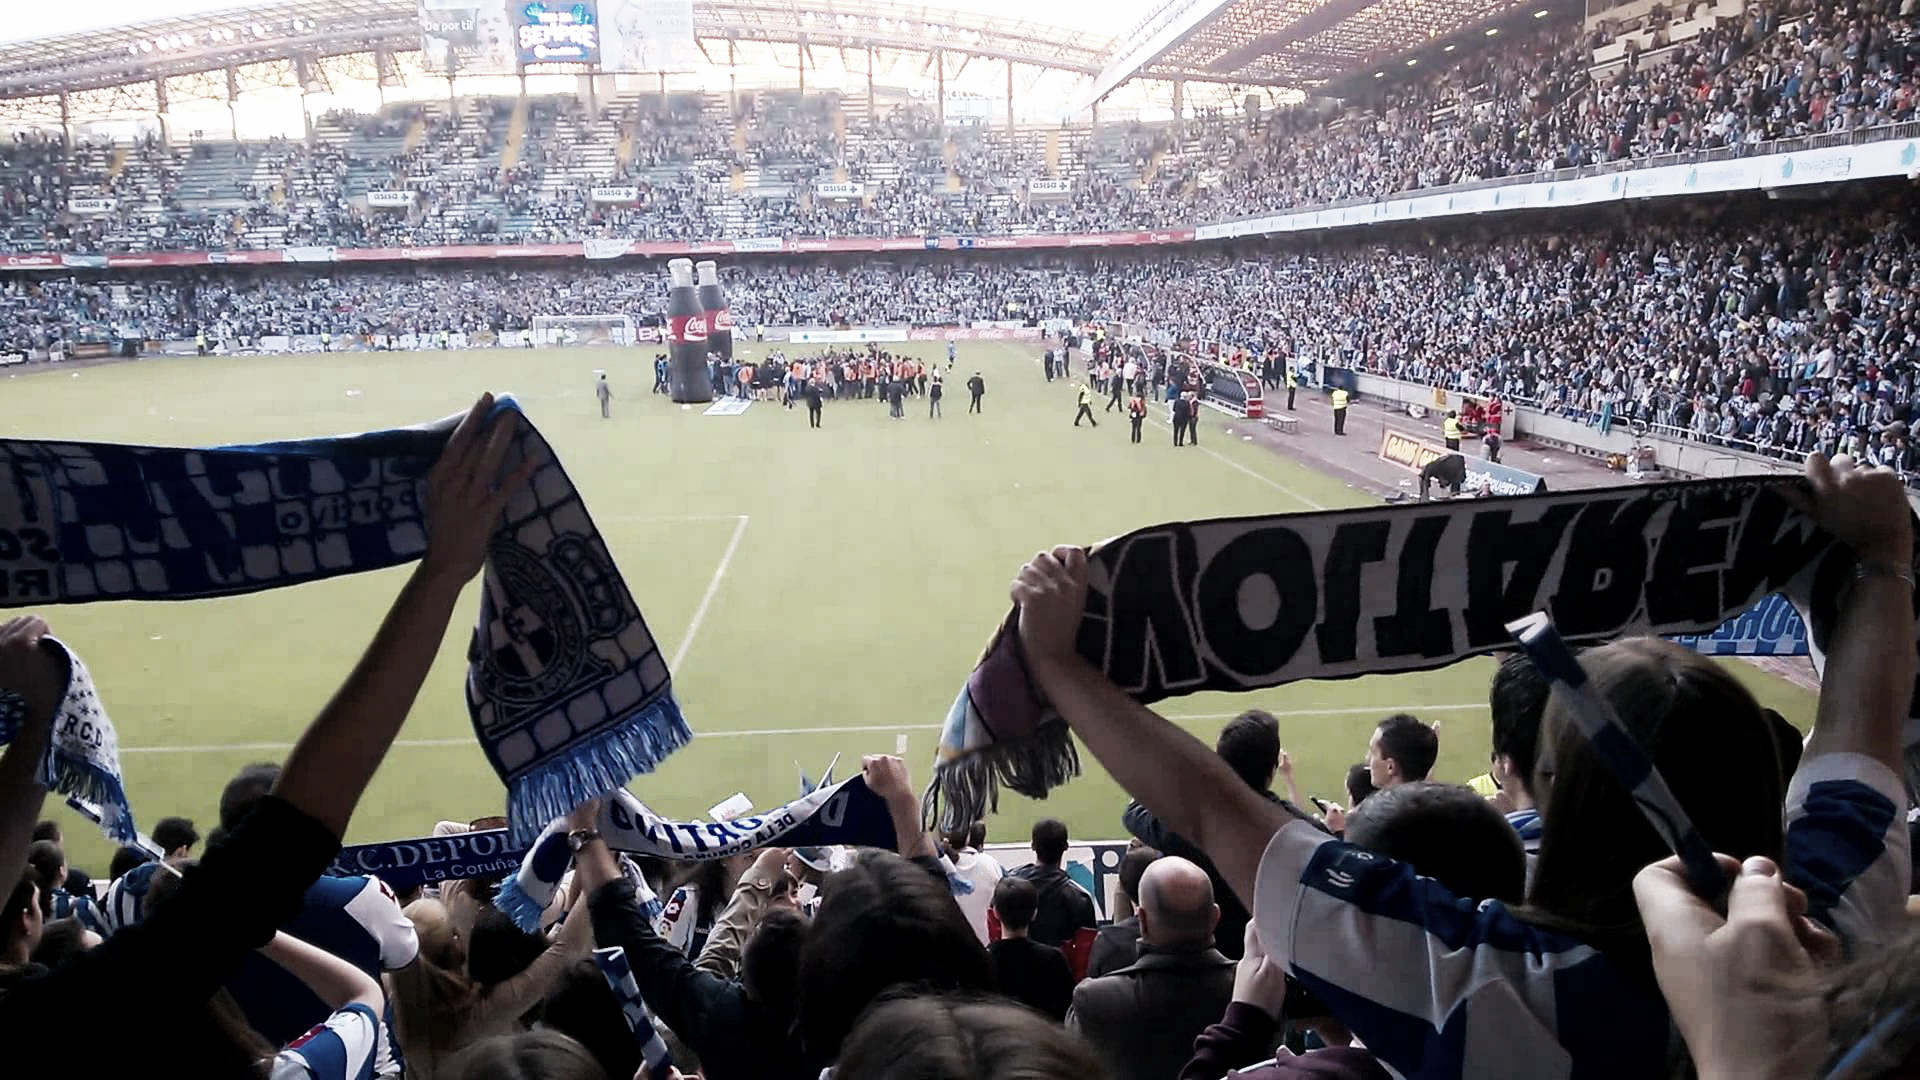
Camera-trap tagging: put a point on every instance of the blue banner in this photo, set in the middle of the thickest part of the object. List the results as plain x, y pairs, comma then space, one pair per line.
1768, 628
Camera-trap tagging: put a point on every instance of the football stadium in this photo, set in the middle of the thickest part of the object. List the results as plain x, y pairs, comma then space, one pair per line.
742, 538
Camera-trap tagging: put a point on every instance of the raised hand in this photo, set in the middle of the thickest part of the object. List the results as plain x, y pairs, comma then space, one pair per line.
1865, 508
1051, 591
466, 491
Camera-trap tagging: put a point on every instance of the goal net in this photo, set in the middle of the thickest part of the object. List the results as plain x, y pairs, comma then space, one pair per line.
583, 330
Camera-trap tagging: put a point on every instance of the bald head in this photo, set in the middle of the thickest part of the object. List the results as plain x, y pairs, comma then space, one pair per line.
1176, 904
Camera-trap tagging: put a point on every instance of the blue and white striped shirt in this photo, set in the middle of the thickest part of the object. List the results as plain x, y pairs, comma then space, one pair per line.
1439, 987
65, 905
340, 1049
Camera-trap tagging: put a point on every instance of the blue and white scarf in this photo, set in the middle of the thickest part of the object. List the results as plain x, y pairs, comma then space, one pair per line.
619, 974
83, 753
568, 691
845, 813
1248, 603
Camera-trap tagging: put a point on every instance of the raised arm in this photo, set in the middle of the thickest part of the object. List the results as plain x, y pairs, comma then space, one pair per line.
331, 765
1184, 783
886, 776
331, 979
36, 673
1867, 687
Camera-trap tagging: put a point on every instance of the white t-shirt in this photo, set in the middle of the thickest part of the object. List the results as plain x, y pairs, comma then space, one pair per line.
983, 872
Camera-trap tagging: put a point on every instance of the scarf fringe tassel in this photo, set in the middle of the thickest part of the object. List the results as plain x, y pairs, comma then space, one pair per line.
966, 788
607, 760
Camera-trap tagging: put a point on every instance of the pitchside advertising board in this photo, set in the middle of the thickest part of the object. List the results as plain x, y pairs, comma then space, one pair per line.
506, 37
1413, 453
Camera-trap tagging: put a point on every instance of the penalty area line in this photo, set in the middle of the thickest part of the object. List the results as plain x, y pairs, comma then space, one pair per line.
1257, 475
851, 729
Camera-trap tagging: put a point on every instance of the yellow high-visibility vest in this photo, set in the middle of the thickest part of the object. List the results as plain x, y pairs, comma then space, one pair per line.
1339, 399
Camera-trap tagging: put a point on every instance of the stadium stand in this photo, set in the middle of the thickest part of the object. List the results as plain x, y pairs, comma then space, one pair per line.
1786, 327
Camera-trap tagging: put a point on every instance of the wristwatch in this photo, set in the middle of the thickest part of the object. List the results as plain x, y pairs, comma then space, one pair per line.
580, 838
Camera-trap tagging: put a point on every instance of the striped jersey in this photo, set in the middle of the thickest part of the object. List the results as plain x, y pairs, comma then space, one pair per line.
126, 899
343, 1048
357, 919
1439, 986
65, 905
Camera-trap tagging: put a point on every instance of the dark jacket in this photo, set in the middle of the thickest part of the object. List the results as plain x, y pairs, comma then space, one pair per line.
164, 968
734, 1035
1115, 947
1243, 1039
1033, 974
1142, 1019
1064, 906
1230, 935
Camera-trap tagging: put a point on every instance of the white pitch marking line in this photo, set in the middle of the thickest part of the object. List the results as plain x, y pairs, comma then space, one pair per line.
855, 729
1262, 477
638, 518
713, 586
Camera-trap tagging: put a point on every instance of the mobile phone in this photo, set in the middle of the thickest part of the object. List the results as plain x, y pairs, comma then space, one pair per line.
1319, 802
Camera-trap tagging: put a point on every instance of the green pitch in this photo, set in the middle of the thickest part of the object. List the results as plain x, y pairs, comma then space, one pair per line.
820, 592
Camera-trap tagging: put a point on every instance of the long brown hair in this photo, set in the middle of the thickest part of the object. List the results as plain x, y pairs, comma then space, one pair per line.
431, 994
1709, 739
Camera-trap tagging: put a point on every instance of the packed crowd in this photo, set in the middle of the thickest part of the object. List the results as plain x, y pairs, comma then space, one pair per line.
1781, 333
1509, 106
1250, 937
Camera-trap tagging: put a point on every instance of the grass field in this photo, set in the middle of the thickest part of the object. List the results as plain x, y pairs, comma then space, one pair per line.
821, 592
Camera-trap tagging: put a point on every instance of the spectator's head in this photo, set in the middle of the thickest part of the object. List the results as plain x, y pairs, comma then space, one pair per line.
1250, 743
582, 1007
1709, 739
526, 1055
883, 922
977, 835
1448, 833
20, 920
958, 1038
1133, 864
47, 830
1359, 784
247, 787
176, 837
50, 862
1049, 841
1015, 900
497, 950
1517, 698
433, 991
62, 940
770, 964
125, 859
1401, 751
1176, 905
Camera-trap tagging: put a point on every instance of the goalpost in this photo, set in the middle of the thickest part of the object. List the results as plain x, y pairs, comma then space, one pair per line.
583, 330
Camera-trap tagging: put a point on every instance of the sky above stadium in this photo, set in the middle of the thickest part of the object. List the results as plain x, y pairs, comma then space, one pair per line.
27, 22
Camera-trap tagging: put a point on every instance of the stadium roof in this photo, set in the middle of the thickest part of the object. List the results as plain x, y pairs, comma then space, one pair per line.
1299, 43
198, 40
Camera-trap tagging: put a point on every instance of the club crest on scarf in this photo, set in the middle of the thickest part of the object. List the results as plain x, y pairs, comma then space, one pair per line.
566, 686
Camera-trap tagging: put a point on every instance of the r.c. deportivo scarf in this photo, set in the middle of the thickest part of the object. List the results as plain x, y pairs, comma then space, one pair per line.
83, 753
618, 972
1247, 603
844, 813
568, 691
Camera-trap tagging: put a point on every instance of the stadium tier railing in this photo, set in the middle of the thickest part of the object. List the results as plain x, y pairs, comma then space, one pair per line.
1676, 449
1883, 151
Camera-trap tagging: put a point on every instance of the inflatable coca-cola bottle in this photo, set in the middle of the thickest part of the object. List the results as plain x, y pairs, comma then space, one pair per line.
713, 300
689, 379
